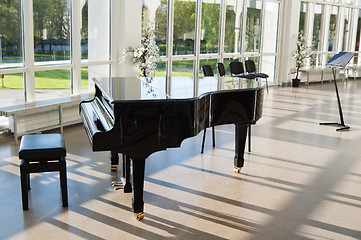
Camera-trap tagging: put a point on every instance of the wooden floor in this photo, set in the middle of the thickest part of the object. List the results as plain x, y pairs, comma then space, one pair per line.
301, 181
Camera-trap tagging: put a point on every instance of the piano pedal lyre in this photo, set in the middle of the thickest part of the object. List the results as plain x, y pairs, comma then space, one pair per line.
117, 185
139, 216
113, 167
237, 169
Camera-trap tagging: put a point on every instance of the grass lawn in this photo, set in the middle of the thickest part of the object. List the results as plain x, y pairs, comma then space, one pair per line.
60, 79
54, 79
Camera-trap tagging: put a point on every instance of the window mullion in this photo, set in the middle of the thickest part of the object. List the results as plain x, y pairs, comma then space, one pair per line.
28, 26
197, 45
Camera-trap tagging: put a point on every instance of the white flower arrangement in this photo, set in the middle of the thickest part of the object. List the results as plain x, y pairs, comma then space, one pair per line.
303, 51
145, 55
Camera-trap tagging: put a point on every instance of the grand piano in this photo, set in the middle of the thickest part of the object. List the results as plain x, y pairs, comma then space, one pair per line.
136, 118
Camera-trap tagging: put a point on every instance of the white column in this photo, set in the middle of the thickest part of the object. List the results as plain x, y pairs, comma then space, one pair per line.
287, 45
76, 47
325, 33
353, 28
29, 82
340, 28
129, 32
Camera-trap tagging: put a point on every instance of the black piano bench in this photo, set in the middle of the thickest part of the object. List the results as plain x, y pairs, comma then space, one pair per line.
42, 153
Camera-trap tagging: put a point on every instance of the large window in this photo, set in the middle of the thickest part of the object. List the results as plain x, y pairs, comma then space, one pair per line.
233, 26
184, 27
42, 35
332, 28
11, 53
346, 29
271, 27
210, 26
302, 20
51, 30
157, 13
10, 34
253, 26
316, 36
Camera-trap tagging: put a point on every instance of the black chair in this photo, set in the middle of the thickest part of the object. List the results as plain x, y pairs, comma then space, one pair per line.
251, 69
221, 69
237, 70
208, 72
42, 153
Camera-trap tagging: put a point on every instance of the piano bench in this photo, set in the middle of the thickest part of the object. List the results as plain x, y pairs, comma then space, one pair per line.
42, 153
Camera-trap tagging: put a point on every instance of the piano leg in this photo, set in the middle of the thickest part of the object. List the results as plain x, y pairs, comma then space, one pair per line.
138, 186
240, 143
126, 174
114, 161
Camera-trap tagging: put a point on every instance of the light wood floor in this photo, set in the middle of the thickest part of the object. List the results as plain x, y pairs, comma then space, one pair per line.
301, 181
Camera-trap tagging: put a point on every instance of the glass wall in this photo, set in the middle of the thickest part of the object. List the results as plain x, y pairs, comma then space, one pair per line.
316, 36
51, 31
253, 26
184, 27
232, 39
182, 79
302, 21
11, 53
49, 66
332, 29
84, 30
157, 13
10, 34
52, 83
346, 29
210, 26
270, 27
335, 27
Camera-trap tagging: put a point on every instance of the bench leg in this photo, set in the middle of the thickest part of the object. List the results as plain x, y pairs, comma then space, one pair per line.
63, 183
24, 187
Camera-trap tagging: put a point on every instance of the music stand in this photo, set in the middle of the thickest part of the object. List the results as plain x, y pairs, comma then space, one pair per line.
340, 60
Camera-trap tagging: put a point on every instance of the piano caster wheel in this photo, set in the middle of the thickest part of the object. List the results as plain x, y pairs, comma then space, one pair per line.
237, 169
113, 167
139, 216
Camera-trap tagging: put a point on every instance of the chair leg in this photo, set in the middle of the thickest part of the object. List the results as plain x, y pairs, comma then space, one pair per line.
213, 137
28, 177
24, 187
249, 138
63, 183
204, 137
267, 84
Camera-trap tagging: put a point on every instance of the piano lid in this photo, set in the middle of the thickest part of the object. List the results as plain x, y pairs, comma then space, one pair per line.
134, 89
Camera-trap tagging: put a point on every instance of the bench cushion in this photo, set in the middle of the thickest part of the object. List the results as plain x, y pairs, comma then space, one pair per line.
42, 147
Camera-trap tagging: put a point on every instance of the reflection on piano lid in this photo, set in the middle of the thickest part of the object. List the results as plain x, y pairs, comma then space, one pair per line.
134, 89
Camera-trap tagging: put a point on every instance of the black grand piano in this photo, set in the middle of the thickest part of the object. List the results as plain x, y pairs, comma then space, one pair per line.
134, 117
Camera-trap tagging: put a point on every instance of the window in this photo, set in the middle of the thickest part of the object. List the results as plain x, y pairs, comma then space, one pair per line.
157, 13
332, 28
51, 31
271, 27
316, 35
232, 39
184, 27
346, 29
11, 53
253, 26
84, 30
210, 26
182, 79
52, 83
302, 21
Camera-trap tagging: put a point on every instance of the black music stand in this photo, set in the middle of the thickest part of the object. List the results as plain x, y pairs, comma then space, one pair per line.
340, 60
